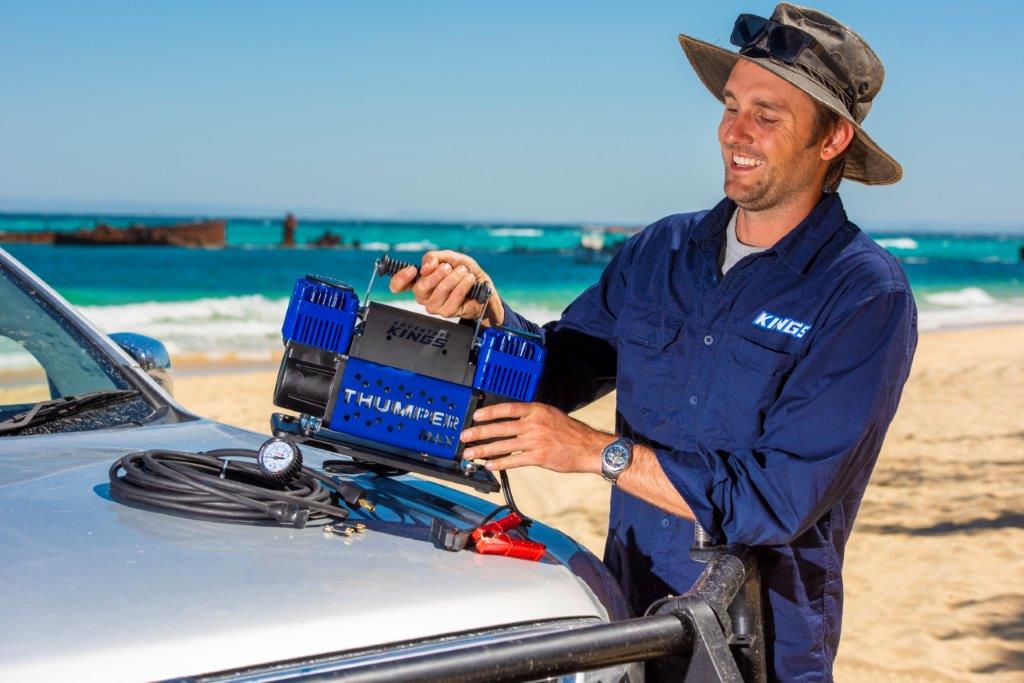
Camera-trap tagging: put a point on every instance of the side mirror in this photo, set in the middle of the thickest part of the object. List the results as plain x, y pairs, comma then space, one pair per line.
150, 354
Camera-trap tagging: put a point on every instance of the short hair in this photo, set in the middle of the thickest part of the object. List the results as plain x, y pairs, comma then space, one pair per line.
825, 121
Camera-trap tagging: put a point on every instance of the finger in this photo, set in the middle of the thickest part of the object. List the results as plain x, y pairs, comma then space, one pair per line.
510, 462
457, 299
492, 431
431, 260
439, 297
455, 258
424, 287
402, 280
493, 449
502, 411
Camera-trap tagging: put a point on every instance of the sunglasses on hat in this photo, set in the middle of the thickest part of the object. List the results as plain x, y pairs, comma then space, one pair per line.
752, 33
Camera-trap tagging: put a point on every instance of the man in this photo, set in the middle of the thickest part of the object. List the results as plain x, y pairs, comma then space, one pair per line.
759, 349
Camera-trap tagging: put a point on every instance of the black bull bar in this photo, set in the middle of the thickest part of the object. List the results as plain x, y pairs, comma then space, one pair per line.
713, 632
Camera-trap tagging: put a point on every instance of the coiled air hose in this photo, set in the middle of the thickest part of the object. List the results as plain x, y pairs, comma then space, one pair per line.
211, 486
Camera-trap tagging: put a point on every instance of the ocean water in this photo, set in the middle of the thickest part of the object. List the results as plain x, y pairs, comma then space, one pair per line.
232, 300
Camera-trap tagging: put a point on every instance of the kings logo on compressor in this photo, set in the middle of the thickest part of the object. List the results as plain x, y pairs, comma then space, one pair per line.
770, 321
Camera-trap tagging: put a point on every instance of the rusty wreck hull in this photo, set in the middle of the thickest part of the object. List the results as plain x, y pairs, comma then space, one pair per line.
197, 234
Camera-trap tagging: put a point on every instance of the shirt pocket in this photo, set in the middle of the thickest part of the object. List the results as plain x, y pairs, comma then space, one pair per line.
743, 389
760, 359
643, 334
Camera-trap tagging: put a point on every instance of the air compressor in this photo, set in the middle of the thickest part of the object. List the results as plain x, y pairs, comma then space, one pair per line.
393, 387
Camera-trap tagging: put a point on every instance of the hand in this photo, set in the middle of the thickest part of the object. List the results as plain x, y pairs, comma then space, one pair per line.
445, 279
534, 434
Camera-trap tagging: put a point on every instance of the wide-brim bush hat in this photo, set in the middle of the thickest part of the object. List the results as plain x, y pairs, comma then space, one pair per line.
845, 80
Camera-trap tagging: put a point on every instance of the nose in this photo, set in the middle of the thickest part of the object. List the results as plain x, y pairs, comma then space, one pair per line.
736, 129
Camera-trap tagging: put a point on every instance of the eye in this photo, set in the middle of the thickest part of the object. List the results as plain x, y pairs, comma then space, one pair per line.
767, 121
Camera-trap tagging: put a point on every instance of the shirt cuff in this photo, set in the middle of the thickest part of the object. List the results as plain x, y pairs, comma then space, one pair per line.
694, 480
513, 319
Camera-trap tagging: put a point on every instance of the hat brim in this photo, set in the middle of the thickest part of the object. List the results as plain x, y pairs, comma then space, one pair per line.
866, 161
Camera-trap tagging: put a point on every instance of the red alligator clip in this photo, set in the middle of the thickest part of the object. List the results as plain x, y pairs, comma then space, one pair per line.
493, 539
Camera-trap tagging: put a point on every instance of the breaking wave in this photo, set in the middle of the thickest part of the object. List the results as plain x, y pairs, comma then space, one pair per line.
967, 307
249, 327
242, 326
422, 245
966, 297
897, 243
515, 232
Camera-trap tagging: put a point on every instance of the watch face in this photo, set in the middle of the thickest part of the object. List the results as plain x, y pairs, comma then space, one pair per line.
616, 457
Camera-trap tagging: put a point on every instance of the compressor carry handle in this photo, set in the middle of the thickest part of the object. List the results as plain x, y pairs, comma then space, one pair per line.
385, 265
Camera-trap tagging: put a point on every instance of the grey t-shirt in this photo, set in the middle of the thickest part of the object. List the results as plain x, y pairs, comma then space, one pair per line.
733, 250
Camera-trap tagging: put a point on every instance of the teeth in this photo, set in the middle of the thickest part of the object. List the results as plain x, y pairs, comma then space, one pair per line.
745, 161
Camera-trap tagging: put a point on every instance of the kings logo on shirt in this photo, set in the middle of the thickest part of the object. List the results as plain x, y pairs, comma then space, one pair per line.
770, 321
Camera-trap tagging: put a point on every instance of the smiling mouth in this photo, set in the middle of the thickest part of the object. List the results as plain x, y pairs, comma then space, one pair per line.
746, 162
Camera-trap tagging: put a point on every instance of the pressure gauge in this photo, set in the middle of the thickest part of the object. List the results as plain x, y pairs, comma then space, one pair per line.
279, 459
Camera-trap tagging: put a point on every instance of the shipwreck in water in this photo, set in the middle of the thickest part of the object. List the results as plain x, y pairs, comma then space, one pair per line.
196, 234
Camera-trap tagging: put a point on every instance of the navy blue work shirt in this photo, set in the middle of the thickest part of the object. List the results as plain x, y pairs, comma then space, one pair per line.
765, 394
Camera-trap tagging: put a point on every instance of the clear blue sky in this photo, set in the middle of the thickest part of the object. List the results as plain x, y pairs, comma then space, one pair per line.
522, 111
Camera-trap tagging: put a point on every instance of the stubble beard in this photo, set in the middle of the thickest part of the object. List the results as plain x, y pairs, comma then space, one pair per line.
770, 191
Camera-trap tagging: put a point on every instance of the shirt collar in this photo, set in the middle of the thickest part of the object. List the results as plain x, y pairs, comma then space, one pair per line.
799, 245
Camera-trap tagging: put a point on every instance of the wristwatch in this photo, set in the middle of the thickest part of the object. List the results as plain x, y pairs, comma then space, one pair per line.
615, 458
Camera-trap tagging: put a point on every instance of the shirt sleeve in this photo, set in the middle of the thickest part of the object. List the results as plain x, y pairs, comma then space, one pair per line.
821, 435
581, 358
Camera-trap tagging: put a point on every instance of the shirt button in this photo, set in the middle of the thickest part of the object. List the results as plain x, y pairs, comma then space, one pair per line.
664, 522
709, 340
693, 400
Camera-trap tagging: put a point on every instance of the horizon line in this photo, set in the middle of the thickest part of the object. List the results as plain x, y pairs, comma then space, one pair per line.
325, 215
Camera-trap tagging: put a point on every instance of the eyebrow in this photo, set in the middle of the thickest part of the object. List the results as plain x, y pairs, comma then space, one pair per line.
764, 104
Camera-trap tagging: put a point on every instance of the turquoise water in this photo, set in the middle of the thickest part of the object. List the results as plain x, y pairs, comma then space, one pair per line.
233, 299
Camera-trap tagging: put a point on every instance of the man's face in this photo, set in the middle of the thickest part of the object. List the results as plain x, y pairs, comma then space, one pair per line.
765, 135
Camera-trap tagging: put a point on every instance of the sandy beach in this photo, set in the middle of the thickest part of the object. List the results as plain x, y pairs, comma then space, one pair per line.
935, 567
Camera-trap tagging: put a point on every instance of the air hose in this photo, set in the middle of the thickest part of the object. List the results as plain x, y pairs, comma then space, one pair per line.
223, 485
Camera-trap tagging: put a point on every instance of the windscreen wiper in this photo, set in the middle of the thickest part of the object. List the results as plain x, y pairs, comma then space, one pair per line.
44, 411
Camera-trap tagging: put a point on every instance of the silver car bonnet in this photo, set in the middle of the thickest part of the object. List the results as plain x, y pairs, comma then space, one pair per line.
96, 589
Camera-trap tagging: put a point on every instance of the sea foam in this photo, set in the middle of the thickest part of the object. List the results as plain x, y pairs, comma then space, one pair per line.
241, 324
897, 243
966, 297
515, 232
250, 326
217, 326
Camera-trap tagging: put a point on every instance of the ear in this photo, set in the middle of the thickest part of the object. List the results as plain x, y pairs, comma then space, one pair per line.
837, 141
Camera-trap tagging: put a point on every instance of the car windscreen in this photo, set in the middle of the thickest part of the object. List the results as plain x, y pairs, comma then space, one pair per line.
43, 356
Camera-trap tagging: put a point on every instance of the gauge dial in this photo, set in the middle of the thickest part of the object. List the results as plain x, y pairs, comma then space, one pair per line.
279, 459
